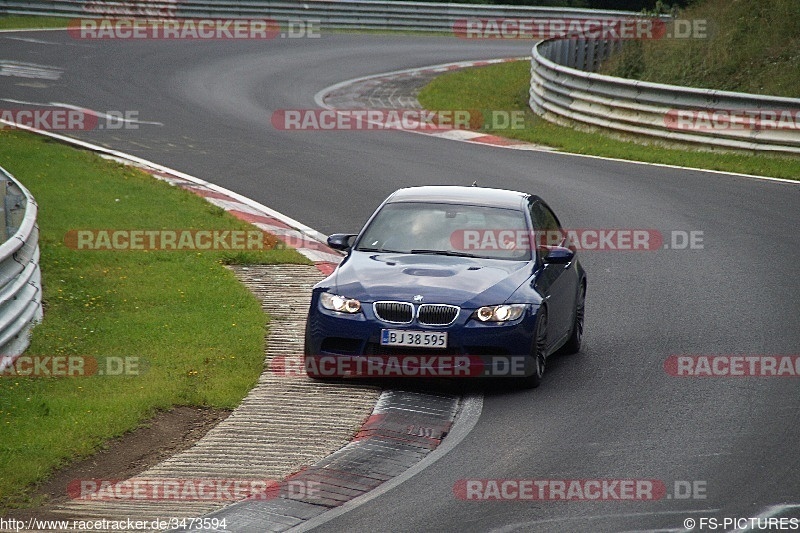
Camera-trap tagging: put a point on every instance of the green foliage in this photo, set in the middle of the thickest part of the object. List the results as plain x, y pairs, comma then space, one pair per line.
751, 46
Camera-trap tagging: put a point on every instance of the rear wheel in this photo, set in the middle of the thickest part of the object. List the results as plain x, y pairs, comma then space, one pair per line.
538, 352
573, 345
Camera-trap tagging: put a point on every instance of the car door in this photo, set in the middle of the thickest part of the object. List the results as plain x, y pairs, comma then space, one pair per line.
558, 283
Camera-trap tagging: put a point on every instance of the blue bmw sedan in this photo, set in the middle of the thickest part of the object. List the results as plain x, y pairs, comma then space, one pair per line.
443, 280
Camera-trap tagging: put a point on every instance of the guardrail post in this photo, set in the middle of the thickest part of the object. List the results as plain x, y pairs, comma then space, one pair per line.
13, 208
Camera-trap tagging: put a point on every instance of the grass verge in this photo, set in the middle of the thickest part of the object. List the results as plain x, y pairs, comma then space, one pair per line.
197, 332
22, 22
505, 87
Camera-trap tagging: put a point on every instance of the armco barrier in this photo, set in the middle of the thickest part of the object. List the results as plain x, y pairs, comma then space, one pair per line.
359, 14
20, 277
565, 90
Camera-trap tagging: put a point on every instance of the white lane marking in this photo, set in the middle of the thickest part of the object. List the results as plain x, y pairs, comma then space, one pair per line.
459, 135
105, 116
28, 40
32, 29
677, 530
21, 69
24, 102
119, 118
465, 422
39, 41
523, 525
320, 97
770, 512
302, 228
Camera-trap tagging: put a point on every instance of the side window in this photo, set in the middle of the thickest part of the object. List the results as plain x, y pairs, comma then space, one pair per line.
546, 226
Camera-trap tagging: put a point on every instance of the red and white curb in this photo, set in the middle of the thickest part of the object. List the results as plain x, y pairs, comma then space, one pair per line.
504, 142
267, 220
452, 134
293, 233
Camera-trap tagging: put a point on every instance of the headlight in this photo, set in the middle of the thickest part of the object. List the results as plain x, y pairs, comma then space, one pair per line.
334, 302
499, 313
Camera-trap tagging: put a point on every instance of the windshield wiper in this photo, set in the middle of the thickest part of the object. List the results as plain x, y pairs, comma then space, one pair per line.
380, 250
444, 252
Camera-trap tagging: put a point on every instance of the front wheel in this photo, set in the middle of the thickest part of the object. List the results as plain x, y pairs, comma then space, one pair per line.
538, 353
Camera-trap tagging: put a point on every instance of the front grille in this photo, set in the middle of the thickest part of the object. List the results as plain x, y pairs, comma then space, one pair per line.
395, 312
437, 314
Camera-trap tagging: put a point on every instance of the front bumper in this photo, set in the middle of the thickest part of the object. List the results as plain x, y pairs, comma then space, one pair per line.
356, 337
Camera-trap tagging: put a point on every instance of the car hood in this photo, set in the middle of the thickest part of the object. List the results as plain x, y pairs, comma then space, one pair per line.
465, 282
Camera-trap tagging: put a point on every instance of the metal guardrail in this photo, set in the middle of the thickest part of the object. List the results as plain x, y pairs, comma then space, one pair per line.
20, 277
564, 89
334, 14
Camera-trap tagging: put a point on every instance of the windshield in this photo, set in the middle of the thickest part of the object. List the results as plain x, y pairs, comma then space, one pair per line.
447, 229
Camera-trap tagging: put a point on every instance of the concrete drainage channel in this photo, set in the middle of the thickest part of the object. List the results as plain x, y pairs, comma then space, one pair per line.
404, 428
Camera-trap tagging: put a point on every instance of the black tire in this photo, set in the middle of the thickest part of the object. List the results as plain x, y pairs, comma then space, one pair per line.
573, 345
310, 371
538, 353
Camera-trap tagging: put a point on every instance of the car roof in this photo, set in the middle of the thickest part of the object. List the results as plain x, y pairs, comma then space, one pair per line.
451, 194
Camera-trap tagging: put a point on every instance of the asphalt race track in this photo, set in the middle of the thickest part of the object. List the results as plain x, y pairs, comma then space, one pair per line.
610, 412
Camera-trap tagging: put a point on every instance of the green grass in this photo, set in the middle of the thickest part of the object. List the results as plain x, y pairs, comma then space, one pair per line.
19, 22
752, 47
199, 330
505, 87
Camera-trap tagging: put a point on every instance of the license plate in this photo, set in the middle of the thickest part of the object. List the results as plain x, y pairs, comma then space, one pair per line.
419, 339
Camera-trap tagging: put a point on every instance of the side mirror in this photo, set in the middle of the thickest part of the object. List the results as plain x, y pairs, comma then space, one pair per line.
341, 241
556, 255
